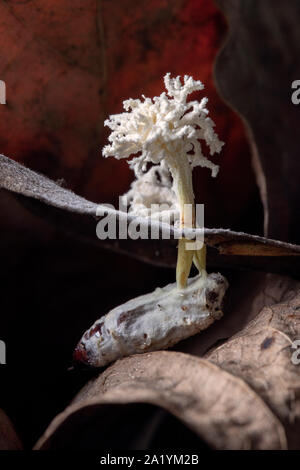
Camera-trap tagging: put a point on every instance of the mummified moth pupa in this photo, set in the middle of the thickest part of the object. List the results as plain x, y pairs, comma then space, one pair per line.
165, 132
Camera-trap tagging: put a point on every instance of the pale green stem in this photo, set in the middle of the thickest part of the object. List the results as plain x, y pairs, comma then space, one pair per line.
183, 187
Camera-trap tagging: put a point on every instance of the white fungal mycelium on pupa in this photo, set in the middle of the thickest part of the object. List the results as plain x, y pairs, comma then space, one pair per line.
153, 321
165, 132
151, 195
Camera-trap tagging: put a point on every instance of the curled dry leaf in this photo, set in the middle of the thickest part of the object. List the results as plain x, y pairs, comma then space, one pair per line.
9, 440
76, 214
261, 354
209, 400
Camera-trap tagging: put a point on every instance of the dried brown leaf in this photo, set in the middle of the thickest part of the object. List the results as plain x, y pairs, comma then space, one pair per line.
74, 213
261, 354
210, 401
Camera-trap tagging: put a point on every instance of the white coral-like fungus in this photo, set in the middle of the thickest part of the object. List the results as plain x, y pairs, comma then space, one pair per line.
167, 131
165, 128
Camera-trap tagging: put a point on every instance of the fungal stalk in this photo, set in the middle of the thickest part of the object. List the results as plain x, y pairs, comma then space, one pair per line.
168, 131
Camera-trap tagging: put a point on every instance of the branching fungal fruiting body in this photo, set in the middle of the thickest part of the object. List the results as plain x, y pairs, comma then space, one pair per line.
167, 131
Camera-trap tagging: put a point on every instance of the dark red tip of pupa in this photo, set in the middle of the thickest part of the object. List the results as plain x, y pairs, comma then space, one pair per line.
80, 355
